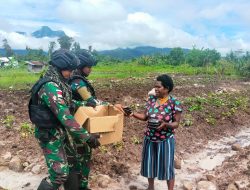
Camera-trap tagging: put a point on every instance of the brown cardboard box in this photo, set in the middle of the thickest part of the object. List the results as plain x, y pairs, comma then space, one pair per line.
105, 120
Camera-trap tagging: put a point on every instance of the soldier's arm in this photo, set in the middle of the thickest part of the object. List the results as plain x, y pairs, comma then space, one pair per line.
51, 95
80, 87
79, 103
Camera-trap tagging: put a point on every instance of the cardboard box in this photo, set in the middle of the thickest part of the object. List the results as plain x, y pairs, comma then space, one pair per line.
105, 120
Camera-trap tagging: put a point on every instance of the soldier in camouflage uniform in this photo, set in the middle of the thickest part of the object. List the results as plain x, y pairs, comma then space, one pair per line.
81, 87
83, 91
49, 110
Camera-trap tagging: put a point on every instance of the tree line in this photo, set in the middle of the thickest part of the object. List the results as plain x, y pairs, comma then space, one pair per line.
202, 58
177, 56
64, 42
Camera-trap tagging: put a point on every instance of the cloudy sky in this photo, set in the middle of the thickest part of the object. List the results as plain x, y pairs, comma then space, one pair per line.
108, 24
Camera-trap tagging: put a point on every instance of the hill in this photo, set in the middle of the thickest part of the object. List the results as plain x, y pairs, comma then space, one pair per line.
119, 53
16, 51
130, 53
45, 31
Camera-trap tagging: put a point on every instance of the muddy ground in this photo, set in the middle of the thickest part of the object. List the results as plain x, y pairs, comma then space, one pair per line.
117, 161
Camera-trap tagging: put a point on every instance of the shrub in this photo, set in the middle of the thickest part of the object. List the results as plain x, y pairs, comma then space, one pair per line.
9, 121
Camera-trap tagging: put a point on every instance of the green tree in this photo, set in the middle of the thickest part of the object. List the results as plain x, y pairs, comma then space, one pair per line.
237, 60
194, 57
240, 61
231, 57
35, 55
65, 42
246, 57
176, 56
76, 47
90, 48
210, 57
201, 58
52, 46
163, 58
245, 70
7, 48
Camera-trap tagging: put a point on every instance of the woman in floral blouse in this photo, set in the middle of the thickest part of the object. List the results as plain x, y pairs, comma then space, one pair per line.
163, 113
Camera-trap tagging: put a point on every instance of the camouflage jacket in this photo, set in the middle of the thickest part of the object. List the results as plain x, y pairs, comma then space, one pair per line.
51, 95
81, 88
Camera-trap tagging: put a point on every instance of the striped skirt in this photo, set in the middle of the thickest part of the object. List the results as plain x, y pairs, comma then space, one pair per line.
158, 159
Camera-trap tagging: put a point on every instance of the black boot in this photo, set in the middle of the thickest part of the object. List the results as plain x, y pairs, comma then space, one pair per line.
82, 188
72, 182
44, 185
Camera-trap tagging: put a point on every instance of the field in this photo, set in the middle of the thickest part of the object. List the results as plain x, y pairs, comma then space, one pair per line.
20, 78
216, 119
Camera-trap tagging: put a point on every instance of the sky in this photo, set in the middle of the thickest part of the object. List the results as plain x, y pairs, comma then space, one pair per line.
223, 25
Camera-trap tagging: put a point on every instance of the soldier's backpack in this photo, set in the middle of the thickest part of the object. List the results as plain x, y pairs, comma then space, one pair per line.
41, 115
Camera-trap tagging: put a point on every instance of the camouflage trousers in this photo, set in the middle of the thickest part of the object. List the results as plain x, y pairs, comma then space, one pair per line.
62, 157
83, 157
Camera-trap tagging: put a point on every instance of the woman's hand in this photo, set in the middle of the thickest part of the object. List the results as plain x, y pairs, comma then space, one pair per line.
162, 126
119, 107
127, 111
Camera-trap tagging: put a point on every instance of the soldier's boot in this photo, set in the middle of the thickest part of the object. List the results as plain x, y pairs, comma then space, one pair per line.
45, 185
72, 182
82, 188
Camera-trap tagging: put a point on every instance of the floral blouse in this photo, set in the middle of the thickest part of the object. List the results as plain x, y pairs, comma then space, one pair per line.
165, 112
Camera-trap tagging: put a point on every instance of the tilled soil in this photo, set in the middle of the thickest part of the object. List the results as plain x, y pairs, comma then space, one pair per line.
117, 160
235, 170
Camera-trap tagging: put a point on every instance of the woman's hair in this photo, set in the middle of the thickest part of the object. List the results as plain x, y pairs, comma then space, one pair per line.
166, 82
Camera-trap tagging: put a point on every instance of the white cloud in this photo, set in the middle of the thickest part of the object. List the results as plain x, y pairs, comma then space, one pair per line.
70, 32
108, 24
28, 9
5, 25
140, 29
18, 41
216, 12
31, 26
228, 13
91, 11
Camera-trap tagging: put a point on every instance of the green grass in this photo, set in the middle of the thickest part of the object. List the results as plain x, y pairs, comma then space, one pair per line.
16, 78
21, 78
134, 70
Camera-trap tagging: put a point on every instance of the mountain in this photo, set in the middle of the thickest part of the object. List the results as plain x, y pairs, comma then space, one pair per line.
23, 33
130, 53
122, 54
45, 31
16, 51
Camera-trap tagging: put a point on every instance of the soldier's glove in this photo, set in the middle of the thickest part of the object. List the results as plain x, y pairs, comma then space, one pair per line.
93, 141
91, 103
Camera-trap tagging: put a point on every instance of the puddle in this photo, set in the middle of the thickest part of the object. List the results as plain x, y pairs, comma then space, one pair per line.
216, 152
19, 181
193, 167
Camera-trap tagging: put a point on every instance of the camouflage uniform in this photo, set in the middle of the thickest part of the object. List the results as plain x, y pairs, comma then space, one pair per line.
83, 91
83, 151
83, 156
59, 153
